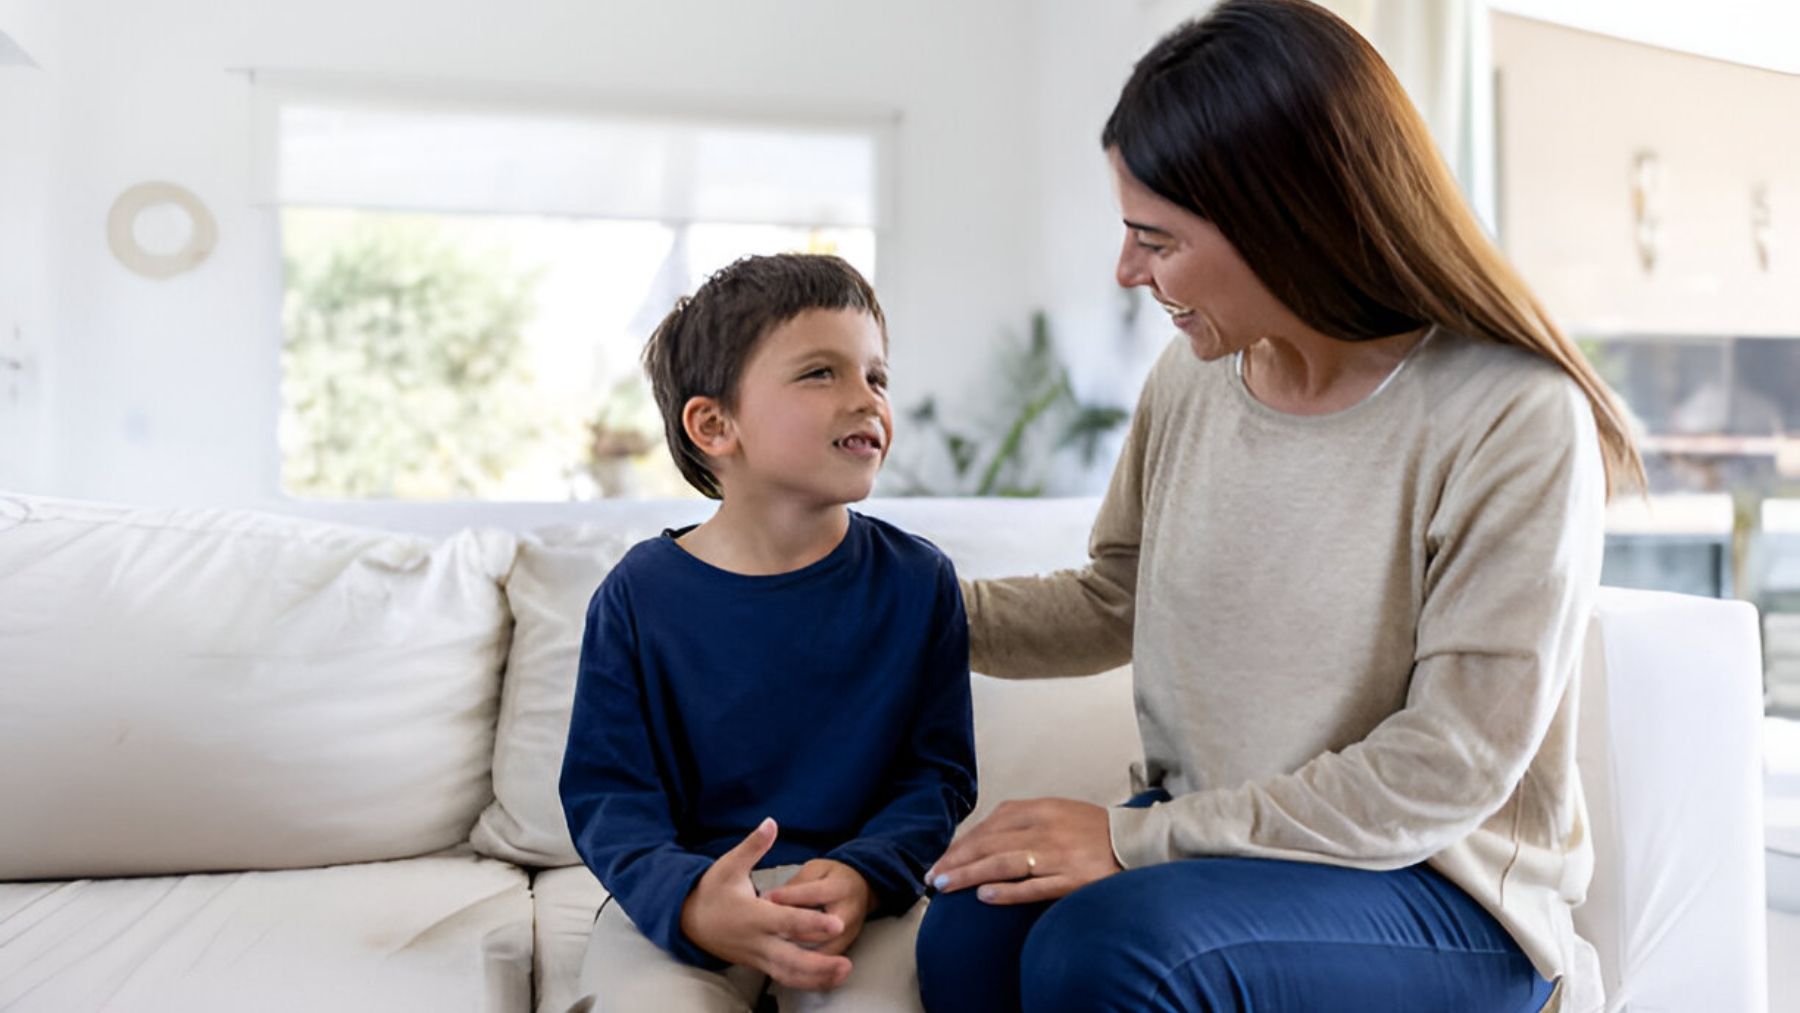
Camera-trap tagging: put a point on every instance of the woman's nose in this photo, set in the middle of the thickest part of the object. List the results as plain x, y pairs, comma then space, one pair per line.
1131, 270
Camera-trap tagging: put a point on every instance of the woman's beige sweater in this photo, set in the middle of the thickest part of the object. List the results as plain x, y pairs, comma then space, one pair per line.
1355, 637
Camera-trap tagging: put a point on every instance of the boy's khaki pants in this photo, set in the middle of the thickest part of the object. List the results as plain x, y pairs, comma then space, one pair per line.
625, 973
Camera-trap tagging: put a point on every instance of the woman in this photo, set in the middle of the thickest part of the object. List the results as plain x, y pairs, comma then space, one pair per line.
1350, 548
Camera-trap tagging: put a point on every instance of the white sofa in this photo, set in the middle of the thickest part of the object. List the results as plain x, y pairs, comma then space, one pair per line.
261, 762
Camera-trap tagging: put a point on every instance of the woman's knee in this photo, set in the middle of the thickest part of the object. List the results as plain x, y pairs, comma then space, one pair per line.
968, 953
1096, 950
948, 927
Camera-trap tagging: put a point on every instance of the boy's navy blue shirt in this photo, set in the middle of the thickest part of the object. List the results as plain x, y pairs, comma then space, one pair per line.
834, 698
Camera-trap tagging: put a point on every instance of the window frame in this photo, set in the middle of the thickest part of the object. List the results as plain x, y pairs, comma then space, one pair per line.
270, 91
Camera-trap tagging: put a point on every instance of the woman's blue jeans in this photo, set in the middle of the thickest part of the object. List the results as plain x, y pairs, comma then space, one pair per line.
1243, 935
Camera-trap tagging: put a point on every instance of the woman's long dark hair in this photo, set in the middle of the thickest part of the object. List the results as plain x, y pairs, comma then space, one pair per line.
1281, 125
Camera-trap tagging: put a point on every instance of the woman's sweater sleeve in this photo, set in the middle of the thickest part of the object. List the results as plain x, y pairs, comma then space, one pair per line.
1513, 565
1071, 622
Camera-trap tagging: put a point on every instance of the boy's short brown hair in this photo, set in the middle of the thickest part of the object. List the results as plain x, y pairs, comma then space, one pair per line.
700, 348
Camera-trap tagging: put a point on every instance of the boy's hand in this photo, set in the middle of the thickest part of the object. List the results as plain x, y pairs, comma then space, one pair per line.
724, 916
837, 889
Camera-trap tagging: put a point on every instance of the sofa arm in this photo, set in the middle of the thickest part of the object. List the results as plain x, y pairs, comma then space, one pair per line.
1670, 752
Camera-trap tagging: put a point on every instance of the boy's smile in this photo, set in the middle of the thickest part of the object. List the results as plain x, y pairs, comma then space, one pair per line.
812, 415
863, 444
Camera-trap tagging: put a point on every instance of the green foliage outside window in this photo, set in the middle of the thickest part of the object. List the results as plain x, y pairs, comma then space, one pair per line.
404, 371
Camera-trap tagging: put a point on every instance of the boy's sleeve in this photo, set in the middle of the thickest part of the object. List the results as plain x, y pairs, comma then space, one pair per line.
932, 787
612, 792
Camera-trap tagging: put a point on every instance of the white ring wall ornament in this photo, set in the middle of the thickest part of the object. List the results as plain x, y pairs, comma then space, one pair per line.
122, 235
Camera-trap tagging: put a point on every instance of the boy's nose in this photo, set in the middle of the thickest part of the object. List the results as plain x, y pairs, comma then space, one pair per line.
866, 398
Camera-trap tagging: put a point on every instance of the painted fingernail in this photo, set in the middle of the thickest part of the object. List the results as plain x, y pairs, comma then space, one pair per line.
986, 893
941, 882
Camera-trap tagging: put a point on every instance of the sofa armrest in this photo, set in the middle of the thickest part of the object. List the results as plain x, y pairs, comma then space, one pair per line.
1670, 752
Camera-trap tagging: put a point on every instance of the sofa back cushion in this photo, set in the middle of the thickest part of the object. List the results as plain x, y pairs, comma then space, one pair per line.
1067, 737
1034, 738
556, 573
187, 690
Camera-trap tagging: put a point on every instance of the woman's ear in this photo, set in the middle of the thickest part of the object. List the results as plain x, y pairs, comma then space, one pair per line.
708, 426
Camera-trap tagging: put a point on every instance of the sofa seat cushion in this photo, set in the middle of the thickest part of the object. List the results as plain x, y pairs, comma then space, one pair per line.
441, 933
214, 690
566, 902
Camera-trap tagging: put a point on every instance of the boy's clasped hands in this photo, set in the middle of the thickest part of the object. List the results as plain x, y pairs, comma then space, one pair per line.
796, 933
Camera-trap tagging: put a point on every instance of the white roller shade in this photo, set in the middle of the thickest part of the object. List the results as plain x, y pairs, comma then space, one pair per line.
438, 157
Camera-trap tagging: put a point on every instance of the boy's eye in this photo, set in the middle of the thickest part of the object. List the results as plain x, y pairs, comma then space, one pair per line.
878, 380
822, 371
1152, 247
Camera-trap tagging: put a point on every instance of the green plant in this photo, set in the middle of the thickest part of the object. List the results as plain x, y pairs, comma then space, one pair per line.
1037, 418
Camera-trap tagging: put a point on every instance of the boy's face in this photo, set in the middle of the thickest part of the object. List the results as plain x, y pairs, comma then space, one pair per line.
812, 419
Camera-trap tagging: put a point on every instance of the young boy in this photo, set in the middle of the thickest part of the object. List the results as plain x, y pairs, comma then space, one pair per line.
771, 739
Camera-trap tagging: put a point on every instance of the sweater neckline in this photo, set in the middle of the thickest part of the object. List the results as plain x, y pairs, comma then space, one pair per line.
1242, 386
839, 554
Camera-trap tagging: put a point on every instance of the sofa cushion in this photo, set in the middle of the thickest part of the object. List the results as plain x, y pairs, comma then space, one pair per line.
1670, 740
437, 933
1061, 738
556, 572
191, 690
1069, 737
565, 903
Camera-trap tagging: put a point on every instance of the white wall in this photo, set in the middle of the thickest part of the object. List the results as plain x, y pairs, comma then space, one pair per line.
1578, 110
166, 391
1084, 51
1758, 33
25, 113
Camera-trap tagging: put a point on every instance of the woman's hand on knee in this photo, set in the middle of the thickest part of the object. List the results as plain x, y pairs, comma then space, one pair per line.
1030, 851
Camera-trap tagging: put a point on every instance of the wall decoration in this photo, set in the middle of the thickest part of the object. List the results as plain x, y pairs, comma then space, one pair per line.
164, 207
1646, 205
1760, 228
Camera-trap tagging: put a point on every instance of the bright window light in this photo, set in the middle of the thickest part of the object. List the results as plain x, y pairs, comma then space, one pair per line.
466, 293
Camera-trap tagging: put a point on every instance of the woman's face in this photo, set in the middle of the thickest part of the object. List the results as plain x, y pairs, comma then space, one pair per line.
1193, 271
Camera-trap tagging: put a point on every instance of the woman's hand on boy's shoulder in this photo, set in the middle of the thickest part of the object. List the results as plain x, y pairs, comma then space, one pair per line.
830, 886
723, 916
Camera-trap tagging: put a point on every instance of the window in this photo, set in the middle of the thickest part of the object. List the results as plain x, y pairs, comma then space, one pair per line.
467, 288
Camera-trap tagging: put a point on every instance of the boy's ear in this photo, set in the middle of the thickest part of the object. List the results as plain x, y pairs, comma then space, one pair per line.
708, 426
